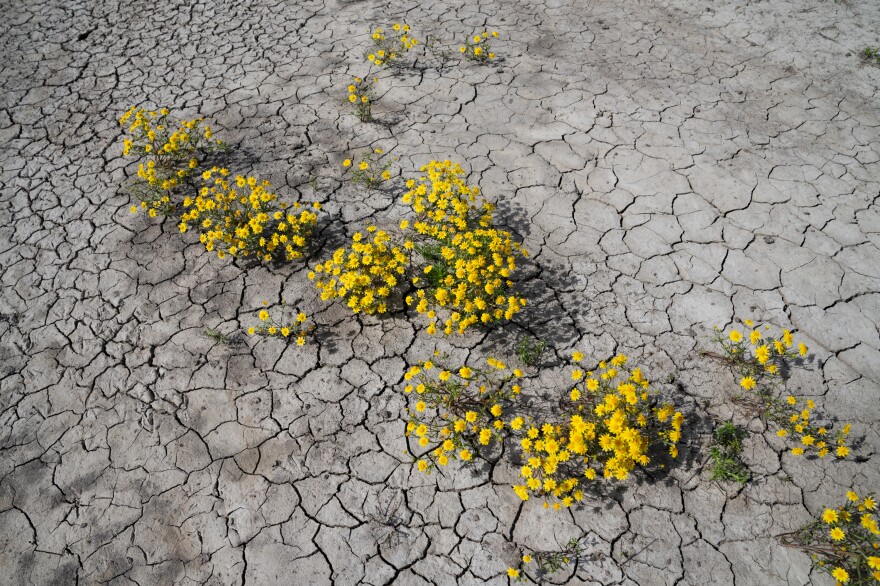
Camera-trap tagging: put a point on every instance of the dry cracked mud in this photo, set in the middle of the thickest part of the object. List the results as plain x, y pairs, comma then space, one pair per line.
671, 165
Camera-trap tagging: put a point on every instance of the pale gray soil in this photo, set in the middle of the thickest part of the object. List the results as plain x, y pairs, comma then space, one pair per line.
671, 166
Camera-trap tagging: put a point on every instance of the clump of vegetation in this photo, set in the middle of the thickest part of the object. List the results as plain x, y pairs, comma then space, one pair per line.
725, 454
389, 46
467, 262
172, 149
372, 170
478, 48
235, 216
529, 350
291, 323
458, 410
217, 335
360, 96
871, 54
843, 542
606, 427
433, 46
547, 562
365, 274
760, 359
461, 263
240, 216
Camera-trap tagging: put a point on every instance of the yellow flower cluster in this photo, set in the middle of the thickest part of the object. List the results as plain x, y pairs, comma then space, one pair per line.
360, 96
172, 148
158, 135
478, 48
467, 262
443, 201
456, 411
760, 359
844, 542
391, 45
609, 427
370, 171
794, 419
365, 274
290, 325
758, 355
240, 217
155, 186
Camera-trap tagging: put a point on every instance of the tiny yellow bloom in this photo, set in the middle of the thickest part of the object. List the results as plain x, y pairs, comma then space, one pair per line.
841, 575
829, 516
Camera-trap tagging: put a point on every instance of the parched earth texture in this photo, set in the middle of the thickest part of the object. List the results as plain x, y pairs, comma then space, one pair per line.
671, 166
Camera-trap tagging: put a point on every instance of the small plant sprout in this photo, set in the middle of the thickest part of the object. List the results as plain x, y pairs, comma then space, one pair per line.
371, 170
725, 454
546, 562
290, 324
871, 54
216, 335
478, 48
432, 46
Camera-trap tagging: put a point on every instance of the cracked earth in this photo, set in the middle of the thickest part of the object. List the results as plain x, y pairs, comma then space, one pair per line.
670, 165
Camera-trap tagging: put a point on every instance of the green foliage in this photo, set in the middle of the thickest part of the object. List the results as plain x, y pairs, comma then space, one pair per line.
530, 350
726, 463
216, 335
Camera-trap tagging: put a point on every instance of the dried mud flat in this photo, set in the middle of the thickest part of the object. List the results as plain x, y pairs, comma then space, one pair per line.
670, 165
